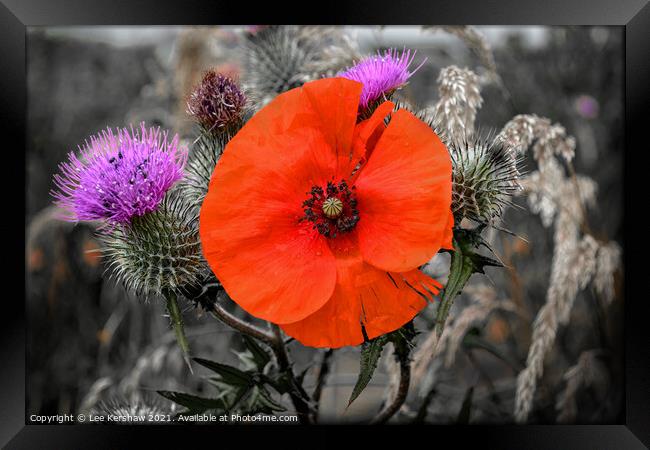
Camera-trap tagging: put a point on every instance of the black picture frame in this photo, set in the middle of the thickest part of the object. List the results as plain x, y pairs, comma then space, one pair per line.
16, 15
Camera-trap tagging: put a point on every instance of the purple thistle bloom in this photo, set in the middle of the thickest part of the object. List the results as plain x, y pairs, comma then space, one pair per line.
116, 178
381, 74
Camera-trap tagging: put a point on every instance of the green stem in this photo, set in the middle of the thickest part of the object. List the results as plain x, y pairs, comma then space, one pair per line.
460, 270
402, 356
296, 392
177, 324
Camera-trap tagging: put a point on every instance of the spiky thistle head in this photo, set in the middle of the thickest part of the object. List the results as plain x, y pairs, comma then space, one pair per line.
484, 178
116, 177
140, 409
381, 74
217, 102
279, 58
203, 157
158, 252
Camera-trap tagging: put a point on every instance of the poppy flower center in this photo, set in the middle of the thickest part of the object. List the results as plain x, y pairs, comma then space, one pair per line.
333, 209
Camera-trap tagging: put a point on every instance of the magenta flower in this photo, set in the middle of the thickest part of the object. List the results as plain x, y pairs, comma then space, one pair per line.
381, 74
115, 178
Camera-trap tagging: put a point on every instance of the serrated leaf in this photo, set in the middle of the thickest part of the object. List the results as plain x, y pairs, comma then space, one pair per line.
464, 262
229, 375
259, 356
281, 383
241, 393
193, 403
370, 353
261, 401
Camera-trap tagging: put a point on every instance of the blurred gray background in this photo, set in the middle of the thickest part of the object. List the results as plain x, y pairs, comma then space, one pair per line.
89, 340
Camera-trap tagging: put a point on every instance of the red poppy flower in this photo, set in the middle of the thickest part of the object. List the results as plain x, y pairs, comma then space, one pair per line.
319, 223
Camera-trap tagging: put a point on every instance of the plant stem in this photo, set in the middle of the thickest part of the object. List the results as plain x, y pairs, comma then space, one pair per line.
177, 324
296, 391
402, 391
275, 341
459, 272
322, 376
240, 325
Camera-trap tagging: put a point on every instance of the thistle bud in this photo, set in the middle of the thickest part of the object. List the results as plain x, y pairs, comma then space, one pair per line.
484, 178
159, 252
203, 157
217, 103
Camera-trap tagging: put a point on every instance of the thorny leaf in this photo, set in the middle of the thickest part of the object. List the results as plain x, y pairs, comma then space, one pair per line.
261, 401
193, 403
227, 374
259, 356
464, 262
371, 351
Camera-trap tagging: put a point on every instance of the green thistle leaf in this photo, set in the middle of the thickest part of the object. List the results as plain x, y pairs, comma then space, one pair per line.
402, 340
256, 353
370, 353
193, 403
261, 401
204, 155
464, 262
227, 374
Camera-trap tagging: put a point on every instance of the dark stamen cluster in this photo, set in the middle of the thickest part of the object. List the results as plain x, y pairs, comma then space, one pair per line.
326, 225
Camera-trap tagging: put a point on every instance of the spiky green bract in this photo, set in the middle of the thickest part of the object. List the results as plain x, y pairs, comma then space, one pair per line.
158, 252
203, 157
371, 352
484, 179
279, 58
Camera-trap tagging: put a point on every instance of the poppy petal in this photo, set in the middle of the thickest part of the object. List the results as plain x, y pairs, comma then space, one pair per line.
273, 265
365, 296
335, 102
404, 195
368, 132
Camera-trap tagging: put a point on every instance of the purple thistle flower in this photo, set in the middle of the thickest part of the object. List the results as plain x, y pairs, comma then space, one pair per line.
216, 102
381, 74
115, 178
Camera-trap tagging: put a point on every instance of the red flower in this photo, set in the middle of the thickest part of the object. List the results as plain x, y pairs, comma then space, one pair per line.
319, 224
